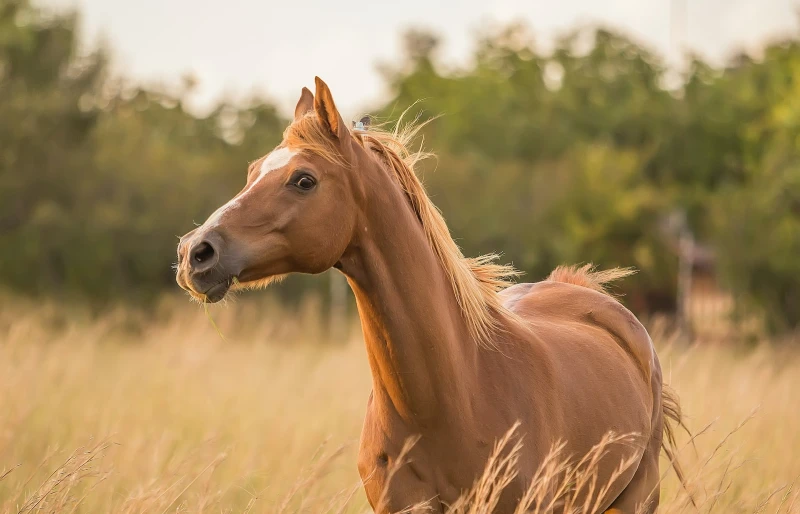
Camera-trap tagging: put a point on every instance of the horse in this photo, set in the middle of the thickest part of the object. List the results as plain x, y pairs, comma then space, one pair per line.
457, 352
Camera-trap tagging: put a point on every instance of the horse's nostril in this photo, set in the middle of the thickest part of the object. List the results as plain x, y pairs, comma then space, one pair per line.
203, 256
203, 252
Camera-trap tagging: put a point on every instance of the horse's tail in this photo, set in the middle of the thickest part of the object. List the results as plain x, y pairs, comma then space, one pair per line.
673, 419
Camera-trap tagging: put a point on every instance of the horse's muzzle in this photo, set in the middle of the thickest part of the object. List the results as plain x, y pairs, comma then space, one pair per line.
201, 270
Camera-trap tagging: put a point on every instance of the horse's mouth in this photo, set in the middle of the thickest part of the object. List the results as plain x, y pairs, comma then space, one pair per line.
217, 292
219, 289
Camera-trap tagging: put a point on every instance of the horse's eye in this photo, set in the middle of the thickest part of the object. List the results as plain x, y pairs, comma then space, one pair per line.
303, 181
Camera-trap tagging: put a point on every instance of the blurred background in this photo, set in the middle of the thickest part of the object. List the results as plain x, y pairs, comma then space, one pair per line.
660, 135
663, 137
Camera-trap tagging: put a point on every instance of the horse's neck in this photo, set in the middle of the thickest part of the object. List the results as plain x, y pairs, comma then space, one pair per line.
420, 353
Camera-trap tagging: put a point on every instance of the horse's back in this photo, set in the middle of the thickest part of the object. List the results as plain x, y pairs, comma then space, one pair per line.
576, 312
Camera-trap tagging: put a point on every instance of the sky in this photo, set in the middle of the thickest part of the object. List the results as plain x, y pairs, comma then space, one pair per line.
237, 48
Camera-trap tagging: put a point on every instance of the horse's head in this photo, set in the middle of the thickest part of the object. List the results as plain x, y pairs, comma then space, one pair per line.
296, 213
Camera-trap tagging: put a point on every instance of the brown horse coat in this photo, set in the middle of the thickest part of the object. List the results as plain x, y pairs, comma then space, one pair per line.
457, 357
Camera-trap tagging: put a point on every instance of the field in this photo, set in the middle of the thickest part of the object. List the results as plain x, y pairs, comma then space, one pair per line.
135, 413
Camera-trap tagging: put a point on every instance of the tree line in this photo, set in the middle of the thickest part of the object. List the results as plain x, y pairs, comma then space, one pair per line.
589, 152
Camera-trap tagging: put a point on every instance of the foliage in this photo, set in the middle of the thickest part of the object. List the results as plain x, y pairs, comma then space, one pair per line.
585, 155
576, 155
98, 178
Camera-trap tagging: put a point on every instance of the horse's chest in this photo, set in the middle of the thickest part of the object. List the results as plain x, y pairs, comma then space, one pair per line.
394, 465
401, 469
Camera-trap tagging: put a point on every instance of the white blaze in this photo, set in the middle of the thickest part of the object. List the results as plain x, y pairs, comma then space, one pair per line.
275, 160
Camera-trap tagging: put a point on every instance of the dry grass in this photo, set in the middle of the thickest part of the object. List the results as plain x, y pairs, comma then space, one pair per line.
130, 413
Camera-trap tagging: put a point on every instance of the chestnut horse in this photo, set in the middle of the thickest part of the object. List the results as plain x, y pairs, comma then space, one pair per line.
457, 354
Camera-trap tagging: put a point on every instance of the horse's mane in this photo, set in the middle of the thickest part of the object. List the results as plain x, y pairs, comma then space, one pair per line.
588, 276
475, 281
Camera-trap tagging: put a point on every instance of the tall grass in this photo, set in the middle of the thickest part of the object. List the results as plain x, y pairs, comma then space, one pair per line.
134, 412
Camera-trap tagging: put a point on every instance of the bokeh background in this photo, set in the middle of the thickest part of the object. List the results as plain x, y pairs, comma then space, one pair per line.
659, 135
594, 143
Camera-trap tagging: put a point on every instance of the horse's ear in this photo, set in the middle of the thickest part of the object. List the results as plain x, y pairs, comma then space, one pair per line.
305, 104
326, 110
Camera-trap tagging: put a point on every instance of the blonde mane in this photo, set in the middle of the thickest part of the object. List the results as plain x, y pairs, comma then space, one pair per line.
475, 281
590, 277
